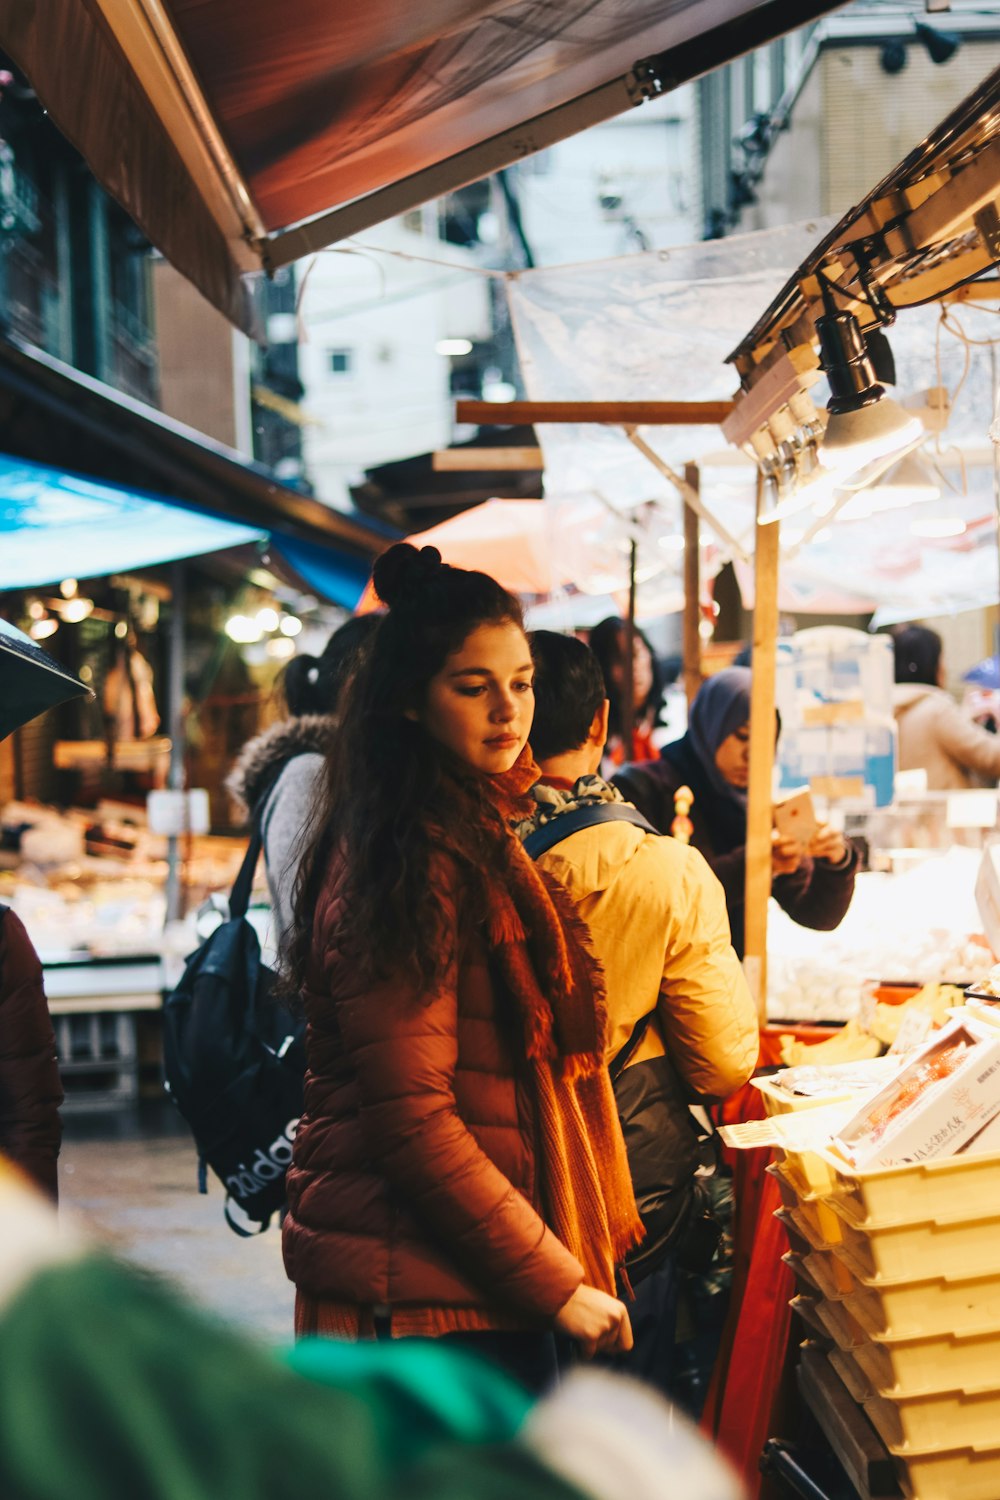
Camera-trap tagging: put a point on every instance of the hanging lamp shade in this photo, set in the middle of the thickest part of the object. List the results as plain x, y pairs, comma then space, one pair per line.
864, 423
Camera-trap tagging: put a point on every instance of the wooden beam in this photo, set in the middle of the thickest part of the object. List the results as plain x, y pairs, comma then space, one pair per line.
948, 211
615, 413
476, 460
762, 721
692, 591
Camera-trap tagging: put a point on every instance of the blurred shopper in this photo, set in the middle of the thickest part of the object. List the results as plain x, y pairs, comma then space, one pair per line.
278, 775
30, 1089
112, 1386
459, 1170
608, 643
934, 734
657, 918
713, 760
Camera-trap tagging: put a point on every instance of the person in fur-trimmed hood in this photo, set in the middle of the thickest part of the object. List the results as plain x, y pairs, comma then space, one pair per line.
276, 777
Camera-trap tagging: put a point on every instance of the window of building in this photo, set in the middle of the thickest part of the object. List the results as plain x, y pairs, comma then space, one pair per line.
340, 361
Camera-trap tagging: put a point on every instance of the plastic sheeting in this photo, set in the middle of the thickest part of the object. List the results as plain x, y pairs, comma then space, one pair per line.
659, 326
55, 525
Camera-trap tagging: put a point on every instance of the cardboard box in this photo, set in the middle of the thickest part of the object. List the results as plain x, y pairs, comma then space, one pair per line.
891, 1128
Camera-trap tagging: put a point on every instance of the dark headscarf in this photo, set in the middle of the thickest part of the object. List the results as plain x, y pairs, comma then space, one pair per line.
721, 706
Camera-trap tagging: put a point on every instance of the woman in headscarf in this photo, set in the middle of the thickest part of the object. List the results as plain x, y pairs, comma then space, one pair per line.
713, 760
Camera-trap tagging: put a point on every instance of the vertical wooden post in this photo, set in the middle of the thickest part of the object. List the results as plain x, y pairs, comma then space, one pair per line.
692, 591
762, 722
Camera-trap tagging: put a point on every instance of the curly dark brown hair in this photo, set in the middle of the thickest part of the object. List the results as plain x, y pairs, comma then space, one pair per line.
385, 786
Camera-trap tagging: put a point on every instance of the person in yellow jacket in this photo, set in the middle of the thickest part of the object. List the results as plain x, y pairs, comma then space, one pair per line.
658, 924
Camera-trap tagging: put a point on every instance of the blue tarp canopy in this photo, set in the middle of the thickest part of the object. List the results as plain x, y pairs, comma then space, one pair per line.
334, 575
55, 525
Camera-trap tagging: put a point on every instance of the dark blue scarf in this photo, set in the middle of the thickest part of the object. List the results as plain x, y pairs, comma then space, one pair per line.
721, 706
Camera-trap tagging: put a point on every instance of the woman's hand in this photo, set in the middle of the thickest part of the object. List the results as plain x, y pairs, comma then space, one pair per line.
599, 1323
827, 843
786, 854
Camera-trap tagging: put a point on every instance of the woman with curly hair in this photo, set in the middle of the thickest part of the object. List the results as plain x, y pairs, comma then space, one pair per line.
458, 1170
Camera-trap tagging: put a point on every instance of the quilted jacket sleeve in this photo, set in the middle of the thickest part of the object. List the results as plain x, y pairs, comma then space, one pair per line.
968, 744
706, 1012
30, 1090
404, 1048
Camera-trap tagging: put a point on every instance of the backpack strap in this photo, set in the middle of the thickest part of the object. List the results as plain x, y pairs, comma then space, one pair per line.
621, 1059
239, 899
561, 827
564, 824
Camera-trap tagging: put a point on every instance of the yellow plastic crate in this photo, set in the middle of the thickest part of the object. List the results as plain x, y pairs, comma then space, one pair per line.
955, 1473
835, 1320
963, 1186
822, 1225
915, 1250
851, 1374
939, 1419
914, 1365
778, 1101
809, 1171
805, 1281
935, 1305
831, 1274
805, 1307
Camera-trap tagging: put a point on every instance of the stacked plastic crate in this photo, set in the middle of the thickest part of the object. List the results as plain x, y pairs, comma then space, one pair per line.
898, 1272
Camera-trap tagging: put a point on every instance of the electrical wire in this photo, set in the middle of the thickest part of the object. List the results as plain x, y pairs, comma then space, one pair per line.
939, 296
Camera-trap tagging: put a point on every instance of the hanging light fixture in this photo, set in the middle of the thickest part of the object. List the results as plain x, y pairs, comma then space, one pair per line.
908, 482
864, 423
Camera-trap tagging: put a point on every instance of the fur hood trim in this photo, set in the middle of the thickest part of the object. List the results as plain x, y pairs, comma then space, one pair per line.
262, 757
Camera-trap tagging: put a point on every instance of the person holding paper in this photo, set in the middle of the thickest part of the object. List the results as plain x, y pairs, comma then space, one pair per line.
813, 884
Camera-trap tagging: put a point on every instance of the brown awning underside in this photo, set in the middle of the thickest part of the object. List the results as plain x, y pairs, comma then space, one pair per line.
317, 105
81, 78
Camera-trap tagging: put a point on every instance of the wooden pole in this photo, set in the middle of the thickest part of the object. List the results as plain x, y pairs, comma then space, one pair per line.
618, 413
692, 591
762, 737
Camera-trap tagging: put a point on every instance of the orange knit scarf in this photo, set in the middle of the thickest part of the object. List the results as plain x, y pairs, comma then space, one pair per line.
541, 948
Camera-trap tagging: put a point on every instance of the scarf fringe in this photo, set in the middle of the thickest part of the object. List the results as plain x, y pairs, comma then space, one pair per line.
541, 947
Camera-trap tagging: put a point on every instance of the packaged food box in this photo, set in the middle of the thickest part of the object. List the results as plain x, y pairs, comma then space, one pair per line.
933, 1106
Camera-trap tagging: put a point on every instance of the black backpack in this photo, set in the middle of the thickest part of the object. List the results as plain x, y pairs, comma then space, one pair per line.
234, 1063
668, 1156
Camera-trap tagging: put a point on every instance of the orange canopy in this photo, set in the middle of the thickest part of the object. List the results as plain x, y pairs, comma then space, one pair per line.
509, 539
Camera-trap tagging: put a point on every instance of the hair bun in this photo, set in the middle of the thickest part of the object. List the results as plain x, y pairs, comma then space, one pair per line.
404, 571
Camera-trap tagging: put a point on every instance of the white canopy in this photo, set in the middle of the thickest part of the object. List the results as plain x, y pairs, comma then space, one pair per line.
658, 326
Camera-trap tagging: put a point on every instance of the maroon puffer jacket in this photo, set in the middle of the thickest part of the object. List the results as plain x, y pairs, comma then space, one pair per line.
414, 1178
30, 1090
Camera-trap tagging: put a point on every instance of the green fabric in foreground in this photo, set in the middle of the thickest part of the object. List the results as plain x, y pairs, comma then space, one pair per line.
113, 1389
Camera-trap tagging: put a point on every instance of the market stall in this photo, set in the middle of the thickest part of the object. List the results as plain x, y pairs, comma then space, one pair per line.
892, 1258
